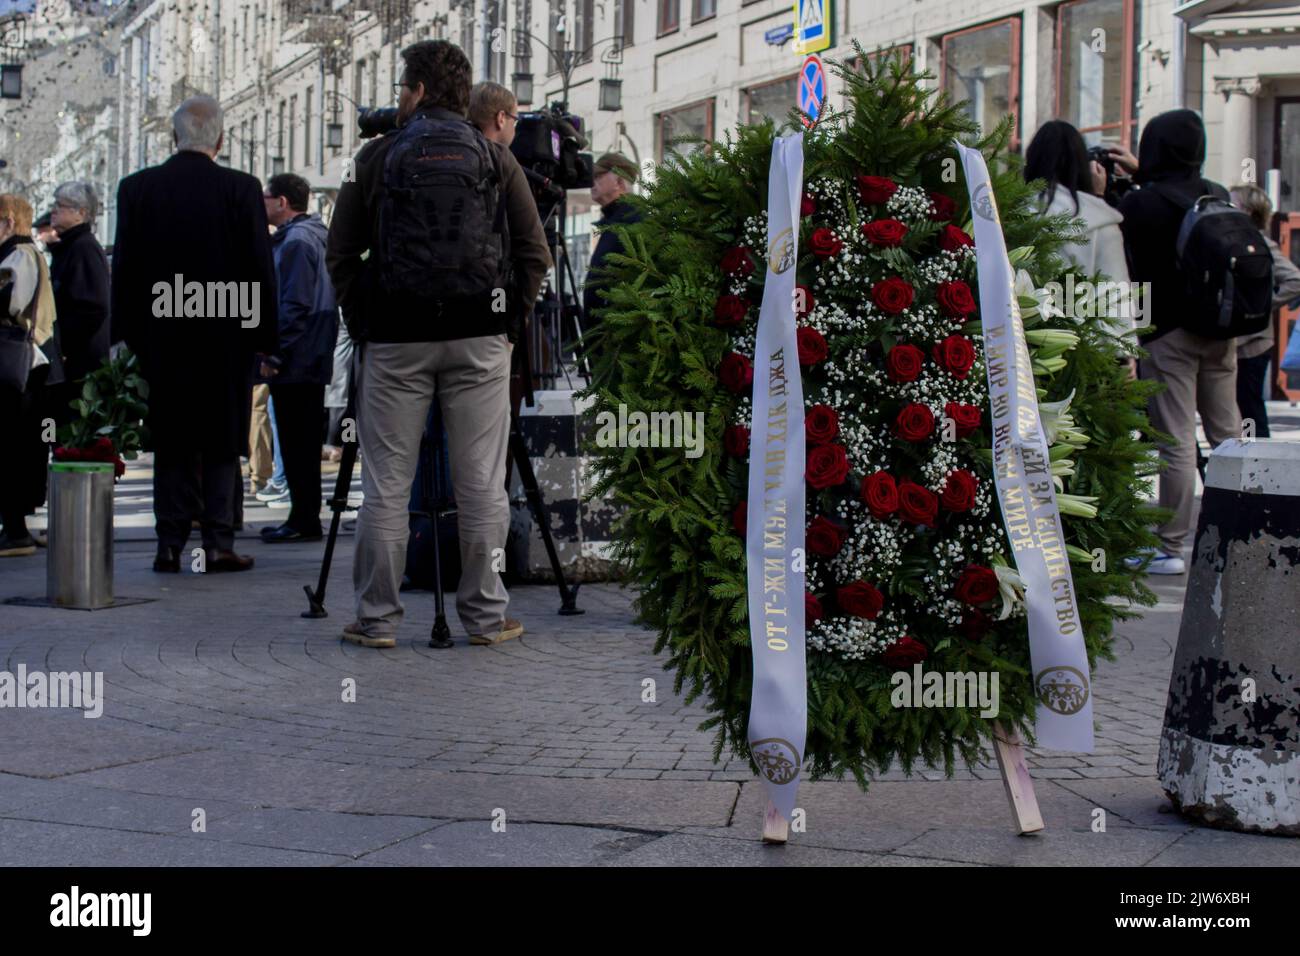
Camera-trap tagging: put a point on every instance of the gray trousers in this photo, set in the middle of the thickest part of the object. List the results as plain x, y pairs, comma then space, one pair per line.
1199, 374
395, 390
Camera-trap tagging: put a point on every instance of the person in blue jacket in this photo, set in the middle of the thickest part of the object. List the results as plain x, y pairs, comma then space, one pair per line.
304, 363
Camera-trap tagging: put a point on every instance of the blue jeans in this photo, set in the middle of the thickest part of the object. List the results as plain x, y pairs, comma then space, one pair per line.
277, 476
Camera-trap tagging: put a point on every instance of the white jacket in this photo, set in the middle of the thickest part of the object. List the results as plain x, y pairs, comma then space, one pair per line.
1103, 249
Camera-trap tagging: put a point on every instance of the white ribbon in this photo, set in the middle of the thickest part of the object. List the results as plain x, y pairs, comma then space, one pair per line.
778, 710
1026, 493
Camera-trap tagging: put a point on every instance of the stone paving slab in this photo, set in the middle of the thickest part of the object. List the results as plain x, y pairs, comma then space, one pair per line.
219, 695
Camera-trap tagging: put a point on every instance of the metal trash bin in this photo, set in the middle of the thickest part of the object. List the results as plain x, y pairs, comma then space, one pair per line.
79, 565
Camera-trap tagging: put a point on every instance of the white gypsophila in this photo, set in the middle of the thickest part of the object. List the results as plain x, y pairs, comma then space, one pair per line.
743, 413
872, 548
942, 462
939, 269
909, 203
856, 638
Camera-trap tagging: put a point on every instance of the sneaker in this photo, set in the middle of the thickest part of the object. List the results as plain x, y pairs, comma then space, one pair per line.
272, 491
354, 633
280, 504
16, 547
505, 631
1160, 562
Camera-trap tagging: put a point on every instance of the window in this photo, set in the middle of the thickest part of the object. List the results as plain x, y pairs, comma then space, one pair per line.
981, 66
773, 100
358, 83
877, 57
624, 14
293, 133
1094, 73
703, 10
556, 41
670, 15
584, 15
693, 120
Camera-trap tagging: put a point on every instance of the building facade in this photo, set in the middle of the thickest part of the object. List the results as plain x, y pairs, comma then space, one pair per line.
291, 73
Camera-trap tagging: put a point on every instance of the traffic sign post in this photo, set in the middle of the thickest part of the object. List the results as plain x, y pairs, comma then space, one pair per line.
812, 90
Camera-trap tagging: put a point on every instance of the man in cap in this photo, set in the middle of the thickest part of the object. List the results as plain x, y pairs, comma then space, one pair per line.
613, 176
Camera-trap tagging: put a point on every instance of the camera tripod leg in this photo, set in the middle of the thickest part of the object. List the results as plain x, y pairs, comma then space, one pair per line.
440, 635
568, 596
338, 504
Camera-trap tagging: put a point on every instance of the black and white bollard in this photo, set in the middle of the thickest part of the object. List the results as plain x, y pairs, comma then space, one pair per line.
1230, 749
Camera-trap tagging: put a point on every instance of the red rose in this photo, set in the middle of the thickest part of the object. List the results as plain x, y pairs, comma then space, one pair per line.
892, 295
740, 518
737, 261
956, 354
812, 608
875, 190
807, 205
812, 345
823, 242
915, 422
959, 490
904, 652
904, 363
955, 299
804, 302
951, 239
916, 504
828, 466
944, 207
824, 538
966, 418
974, 624
736, 373
729, 310
860, 599
821, 425
884, 232
736, 441
881, 494
976, 585
119, 467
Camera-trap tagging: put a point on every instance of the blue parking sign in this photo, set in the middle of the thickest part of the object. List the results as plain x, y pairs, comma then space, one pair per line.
812, 89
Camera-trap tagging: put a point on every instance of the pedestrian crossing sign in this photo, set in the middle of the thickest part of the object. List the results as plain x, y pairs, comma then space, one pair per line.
812, 25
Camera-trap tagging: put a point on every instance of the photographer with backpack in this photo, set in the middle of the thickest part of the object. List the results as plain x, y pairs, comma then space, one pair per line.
435, 250
1210, 278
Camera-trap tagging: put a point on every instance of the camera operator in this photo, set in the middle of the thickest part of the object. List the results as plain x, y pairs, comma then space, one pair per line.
424, 235
613, 176
493, 110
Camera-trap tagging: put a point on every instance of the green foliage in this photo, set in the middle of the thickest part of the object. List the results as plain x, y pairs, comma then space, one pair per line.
657, 348
112, 405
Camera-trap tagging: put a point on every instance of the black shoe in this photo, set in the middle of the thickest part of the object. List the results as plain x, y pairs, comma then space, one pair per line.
227, 561
285, 533
168, 560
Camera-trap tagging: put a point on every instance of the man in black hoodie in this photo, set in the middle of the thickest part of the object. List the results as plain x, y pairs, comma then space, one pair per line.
1199, 374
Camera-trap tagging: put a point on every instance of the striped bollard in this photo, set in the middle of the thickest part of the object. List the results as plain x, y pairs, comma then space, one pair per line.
1230, 748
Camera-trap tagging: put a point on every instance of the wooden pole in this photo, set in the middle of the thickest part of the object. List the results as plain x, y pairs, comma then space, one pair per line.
1015, 777
776, 828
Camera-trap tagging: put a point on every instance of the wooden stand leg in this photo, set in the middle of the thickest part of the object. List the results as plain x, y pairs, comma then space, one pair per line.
1015, 777
776, 828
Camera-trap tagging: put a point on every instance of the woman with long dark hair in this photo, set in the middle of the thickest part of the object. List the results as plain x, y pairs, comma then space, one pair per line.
1074, 185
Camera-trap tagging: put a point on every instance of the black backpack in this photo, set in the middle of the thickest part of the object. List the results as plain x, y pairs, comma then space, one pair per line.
1227, 266
442, 220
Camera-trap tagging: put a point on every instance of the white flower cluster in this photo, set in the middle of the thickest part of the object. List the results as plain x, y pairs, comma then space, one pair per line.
856, 638
872, 548
909, 204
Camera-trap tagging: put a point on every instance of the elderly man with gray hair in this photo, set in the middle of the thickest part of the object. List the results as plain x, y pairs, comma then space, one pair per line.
79, 278
194, 297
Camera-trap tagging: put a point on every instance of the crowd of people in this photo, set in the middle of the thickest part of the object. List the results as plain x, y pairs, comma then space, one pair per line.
1137, 239
434, 222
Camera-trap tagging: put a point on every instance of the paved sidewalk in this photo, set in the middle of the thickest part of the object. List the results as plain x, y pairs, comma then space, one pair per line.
219, 697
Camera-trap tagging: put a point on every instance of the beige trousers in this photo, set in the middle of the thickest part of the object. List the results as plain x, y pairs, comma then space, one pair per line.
1199, 375
260, 449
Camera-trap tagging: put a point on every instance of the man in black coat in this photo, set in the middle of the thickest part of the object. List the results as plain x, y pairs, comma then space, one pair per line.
194, 296
79, 278
613, 176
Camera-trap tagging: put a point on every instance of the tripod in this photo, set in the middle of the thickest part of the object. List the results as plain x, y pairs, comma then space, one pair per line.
440, 636
550, 330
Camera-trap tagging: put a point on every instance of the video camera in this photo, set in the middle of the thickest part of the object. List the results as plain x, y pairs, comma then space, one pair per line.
548, 144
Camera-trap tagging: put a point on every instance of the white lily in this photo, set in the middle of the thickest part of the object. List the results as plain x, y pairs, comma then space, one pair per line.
1011, 588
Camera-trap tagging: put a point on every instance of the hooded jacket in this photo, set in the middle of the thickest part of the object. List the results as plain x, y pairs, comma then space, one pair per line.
308, 316
1170, 156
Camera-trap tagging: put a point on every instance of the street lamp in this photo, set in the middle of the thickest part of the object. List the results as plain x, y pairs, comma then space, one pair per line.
523, 88
277, 165
567, 60
11, 81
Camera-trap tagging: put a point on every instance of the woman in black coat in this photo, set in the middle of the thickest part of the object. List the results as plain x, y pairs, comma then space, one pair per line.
80, 277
